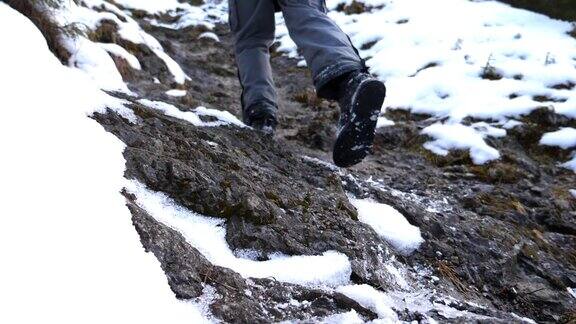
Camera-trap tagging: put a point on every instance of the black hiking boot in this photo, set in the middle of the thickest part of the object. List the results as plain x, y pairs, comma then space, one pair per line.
361, 98
261, 117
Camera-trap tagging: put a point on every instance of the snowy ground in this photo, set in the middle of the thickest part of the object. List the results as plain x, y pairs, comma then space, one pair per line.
433, 68
390, 224
428, 67
56, 265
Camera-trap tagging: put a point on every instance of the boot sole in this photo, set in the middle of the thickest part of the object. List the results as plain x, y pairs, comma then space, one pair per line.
355, 139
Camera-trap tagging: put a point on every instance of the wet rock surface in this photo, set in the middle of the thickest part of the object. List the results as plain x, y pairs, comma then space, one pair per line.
229, 296
501, 235
272, 199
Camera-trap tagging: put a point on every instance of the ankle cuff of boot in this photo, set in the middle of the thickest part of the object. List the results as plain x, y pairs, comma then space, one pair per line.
326, 82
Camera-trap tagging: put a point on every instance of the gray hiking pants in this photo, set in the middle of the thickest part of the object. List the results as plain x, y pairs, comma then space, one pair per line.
326, 48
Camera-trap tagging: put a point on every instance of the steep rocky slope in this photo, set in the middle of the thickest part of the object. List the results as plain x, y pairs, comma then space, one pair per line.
502, 235
499, 239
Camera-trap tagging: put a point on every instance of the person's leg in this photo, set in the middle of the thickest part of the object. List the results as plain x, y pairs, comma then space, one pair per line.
252, 24
327, 49
339, 73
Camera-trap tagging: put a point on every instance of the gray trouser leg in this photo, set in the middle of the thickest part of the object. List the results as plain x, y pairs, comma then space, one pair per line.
252, 23
326, 48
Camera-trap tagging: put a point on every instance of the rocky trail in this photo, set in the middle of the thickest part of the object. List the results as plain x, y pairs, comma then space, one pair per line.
499, 240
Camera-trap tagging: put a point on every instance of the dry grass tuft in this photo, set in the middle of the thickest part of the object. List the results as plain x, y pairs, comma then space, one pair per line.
106, 32
446, 270
355, 8
497, 172
568, 318
308, 98
499, 204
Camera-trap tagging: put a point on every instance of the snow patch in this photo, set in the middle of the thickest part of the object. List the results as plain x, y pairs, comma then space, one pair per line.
213, 144
571, 164
203, 302
324, 164
209, 35
486, 129
372, 299
223, 117
523, 319
93, 59
383, 122
183, 14
119, 51
173, 111
151, 6
442, 74
564, 138
458, 136
511, 123
176, 93
389, 224
350, 317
